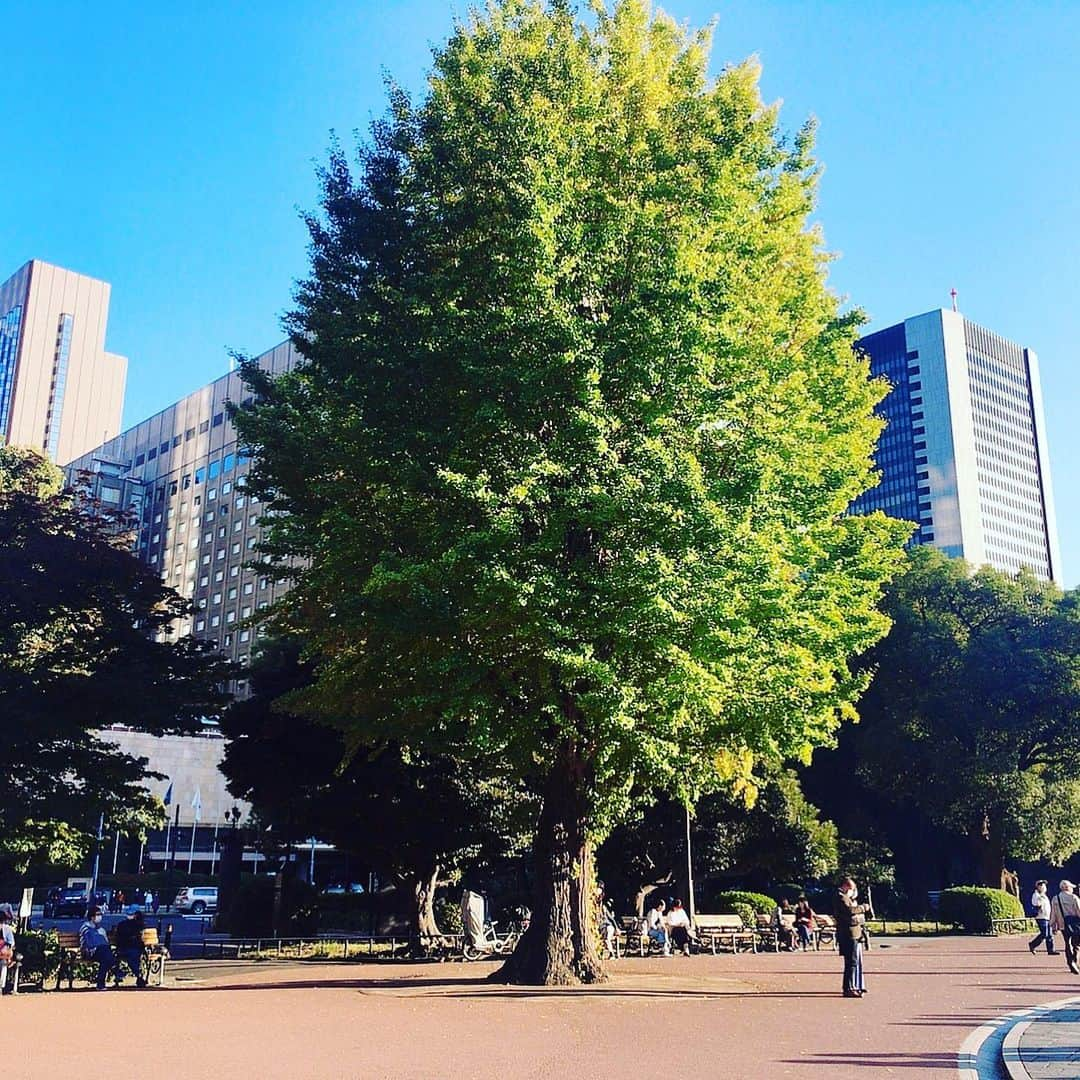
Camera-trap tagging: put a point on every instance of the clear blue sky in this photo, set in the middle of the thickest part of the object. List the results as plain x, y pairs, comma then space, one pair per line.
166, 149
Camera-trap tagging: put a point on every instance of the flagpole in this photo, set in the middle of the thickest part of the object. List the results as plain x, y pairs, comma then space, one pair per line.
191, 853
213, 853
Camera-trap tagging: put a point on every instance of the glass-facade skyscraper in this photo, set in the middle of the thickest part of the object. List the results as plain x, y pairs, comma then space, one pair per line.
964, 452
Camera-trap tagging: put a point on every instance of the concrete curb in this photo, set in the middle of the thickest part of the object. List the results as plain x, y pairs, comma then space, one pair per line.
1010, 1050
969, 1067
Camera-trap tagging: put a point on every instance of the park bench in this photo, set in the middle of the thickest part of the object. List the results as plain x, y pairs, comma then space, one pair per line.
766, 932
723, 931
637, 937
154, 956
824, 931
70, 954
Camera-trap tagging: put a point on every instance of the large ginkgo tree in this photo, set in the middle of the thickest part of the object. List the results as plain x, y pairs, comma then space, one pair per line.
563, 478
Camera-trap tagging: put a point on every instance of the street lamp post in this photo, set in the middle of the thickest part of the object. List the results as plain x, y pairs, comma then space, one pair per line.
689, 870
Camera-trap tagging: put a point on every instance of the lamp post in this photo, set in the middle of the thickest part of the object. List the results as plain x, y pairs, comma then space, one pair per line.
689, 870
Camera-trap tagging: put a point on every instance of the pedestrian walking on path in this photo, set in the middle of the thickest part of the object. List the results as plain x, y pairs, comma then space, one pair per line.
850, 935
1065, 916
1040, 908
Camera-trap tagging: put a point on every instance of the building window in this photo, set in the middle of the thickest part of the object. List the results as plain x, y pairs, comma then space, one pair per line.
226, 487
176, 440
246, 613
234, 571
230, 617
215, 620
61, 356
214, 470
249, 588
236, 549
245, 635
218, 418
164, 447
200, 624
216, 598
151, 454
140, 459
204, 427
189, 434
219, 576
252, 541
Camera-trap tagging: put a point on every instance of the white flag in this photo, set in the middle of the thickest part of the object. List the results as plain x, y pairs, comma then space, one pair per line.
196, 803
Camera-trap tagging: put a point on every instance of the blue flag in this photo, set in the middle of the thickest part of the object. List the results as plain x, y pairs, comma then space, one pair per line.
168, 794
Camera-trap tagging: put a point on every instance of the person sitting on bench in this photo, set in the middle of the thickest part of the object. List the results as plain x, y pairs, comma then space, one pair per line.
129, 943
678, 924
94, 945
655, 928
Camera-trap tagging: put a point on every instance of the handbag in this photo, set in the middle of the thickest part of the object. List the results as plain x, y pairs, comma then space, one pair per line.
7, 953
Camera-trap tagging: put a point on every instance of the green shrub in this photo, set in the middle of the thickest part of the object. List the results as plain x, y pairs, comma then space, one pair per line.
746, 913
975, 908
760, 903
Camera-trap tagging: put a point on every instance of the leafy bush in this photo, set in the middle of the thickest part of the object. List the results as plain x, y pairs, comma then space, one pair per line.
759, 902
448, 915
746, 913
975, 908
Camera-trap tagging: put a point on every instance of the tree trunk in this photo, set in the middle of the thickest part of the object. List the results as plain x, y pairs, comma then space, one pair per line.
561, 946
989, 854
425, 929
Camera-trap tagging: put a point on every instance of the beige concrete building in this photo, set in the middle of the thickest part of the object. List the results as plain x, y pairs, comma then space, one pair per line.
60, 391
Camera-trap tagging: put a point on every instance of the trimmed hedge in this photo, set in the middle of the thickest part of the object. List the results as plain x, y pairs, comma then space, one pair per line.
759, 902
974, 908
746, 913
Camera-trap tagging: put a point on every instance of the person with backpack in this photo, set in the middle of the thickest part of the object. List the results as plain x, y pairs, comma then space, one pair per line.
94, 945
1065, 916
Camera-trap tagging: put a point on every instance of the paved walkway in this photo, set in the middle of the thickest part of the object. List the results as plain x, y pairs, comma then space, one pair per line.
1047, 1047
741, 1017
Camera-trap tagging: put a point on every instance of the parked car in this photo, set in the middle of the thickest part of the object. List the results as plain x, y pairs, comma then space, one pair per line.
196, 899
73, 902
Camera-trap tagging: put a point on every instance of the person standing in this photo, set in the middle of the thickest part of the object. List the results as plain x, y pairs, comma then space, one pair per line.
1040, 908
7, 948
94, 945
1065, 916
850, 934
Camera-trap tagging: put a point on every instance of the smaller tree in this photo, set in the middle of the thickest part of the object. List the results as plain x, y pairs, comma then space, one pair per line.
779, 838
977, 694
85, 642
416, 820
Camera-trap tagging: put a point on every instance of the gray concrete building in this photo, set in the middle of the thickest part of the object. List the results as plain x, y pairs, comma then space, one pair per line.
182, 475
60, 391
964, 453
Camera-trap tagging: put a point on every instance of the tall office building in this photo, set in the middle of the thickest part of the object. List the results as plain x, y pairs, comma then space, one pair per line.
964, 452
182, 476
60, 391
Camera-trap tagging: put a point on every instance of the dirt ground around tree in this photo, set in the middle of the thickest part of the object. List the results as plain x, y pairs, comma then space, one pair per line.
745, 1016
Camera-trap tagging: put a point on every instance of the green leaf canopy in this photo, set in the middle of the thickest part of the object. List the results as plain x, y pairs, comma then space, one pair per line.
564, 476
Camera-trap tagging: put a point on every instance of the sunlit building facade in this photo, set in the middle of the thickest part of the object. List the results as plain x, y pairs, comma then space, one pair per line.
964, 453
60, 392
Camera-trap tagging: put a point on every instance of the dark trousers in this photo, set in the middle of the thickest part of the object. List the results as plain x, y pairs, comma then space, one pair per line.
133, 958
680, 937
1070, 939
1043, 935
103, 954
851, 951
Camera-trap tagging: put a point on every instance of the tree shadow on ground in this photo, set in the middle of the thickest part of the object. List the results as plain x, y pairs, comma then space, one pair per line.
478, 988
933, 1059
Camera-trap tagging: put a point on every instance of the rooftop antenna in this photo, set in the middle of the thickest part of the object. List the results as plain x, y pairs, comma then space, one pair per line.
952, 293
